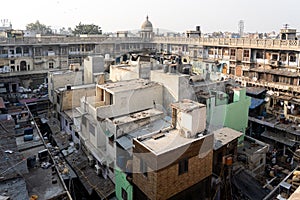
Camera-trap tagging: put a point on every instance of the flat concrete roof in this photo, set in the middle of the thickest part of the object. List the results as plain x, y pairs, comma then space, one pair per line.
63, 72
224, 136
73, 113
77, 87
126, 141
250, 146
127, 85
169, 141
136, 116
187, 105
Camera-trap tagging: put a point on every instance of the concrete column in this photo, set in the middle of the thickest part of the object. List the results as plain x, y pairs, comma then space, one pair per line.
285, 103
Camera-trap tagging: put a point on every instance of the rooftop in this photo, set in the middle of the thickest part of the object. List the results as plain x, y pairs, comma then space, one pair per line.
224, 136
127, 85
251, 146
136, 116
73, 113
187, 105
159, 124
61, 72
11, 164
255, 90
166, 141
103, 187
76, 87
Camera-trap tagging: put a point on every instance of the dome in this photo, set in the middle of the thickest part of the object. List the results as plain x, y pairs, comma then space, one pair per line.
147, 25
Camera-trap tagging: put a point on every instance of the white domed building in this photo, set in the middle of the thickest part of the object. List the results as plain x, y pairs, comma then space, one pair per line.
147, 29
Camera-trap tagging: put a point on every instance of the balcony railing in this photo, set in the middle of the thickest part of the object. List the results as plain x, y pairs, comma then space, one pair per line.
234, 42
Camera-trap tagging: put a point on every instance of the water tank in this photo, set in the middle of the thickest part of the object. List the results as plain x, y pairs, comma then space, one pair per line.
31, 161
43, 154
229, 161
28, 138
28, 131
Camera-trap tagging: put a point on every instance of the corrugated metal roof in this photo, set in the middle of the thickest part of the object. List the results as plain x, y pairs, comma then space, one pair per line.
256, 102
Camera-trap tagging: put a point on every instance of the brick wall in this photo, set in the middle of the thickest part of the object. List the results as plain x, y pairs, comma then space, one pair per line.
166, 182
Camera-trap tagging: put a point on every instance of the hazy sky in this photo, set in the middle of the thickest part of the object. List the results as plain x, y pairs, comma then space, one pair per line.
175, 15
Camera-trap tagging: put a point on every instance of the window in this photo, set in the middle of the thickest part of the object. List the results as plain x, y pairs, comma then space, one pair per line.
283, 57
143, 168
18, 50
183, 166
12, 62
26, 50
37, 51
259, 55
111, 140
76, 134
232, 52
210, 52
274, 56
51, 65
124, 194
246, 53
292, 57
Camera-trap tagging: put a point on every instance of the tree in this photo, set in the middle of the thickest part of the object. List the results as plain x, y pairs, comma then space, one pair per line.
87, 29
39, 28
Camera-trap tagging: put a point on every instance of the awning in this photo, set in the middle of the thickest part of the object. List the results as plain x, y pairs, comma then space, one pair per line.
255, 90
256, 102
278, 138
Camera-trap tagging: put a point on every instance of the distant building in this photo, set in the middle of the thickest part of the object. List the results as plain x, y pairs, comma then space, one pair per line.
146, 31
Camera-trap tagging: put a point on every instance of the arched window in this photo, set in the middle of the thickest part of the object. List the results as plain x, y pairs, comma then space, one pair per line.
292, 57
18, 50
23, 66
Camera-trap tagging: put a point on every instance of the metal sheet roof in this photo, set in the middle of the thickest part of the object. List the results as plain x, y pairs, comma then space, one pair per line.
256, 102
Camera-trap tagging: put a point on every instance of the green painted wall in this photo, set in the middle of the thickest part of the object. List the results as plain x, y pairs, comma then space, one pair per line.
237, 113
233, 115
121, 182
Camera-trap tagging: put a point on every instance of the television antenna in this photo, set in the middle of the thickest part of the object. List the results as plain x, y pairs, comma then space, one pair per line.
4, 22
286, 26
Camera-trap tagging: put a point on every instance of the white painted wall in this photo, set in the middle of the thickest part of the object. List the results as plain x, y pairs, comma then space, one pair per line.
194, 121
132, 101
92, 64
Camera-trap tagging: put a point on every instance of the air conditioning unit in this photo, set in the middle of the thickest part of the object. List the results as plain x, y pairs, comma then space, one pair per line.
98, 169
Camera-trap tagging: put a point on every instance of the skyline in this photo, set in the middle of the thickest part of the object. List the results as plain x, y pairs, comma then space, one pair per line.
177, 16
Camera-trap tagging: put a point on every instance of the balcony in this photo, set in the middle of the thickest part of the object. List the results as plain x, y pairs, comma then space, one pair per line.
275, 63
3, 55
